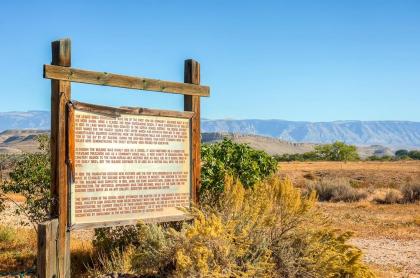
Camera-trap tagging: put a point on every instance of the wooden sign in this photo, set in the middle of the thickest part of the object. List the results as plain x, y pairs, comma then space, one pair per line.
114, 166
129, 165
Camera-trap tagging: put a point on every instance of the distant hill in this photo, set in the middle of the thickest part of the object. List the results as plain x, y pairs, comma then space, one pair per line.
393, 134
17, 140
268, 144
276, 146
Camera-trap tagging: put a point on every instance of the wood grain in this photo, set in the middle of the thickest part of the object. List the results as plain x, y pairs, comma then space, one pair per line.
115, 80
192, 103
118, 111
164, 219
60, 96
46, 261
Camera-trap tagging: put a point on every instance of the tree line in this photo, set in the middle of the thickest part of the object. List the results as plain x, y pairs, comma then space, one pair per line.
339, 151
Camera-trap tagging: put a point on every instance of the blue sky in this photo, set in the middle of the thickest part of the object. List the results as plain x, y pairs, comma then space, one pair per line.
293, 60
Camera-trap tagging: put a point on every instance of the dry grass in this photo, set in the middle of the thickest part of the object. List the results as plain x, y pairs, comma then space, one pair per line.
363, 174
389, 233
17, 249
82, 255
369, 220
15, 197
390, 196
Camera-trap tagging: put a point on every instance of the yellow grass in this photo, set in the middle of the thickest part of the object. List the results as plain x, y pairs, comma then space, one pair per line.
17, 249
15, 197
369, 220
361, 173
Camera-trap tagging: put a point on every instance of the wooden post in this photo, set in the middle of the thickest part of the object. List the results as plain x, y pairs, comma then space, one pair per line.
47, 249
60, 96
192, 103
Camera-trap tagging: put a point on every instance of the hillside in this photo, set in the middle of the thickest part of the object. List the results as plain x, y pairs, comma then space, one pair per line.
276, 146
18, 141
394, 134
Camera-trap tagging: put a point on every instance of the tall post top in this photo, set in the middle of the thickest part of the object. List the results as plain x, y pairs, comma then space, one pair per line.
61, 52
192, 72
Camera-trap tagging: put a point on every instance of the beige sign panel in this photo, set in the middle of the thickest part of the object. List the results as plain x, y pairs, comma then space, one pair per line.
129, 168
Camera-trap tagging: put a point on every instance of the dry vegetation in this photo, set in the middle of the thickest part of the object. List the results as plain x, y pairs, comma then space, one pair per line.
385, 227
364, 174
388, 232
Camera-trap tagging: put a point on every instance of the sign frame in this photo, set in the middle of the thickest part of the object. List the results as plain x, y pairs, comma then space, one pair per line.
54, 234
115, 112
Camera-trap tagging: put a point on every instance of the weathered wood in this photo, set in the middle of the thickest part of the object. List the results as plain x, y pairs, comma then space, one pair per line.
116, 80
192, 103
60, 95
165, 219
117, 111
46, 261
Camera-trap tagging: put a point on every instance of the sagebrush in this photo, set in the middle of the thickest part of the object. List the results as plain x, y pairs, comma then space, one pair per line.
411, 193
337, 190
269, 230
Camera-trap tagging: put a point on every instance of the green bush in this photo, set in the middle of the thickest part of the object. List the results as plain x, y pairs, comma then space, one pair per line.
338, 151
31, 178
414, 154
381, 158
237, 160
400, 153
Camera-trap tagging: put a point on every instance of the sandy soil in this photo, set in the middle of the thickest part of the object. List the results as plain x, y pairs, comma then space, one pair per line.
394, 258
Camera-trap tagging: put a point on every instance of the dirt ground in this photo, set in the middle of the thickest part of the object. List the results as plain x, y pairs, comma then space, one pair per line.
389, 235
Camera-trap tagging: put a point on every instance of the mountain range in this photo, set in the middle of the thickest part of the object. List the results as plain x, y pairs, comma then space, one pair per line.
25, 120
392, 134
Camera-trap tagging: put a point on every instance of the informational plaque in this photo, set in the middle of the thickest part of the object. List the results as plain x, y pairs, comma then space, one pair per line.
129, 166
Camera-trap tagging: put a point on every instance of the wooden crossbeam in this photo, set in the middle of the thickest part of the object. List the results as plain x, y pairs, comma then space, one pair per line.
118, 111
115, 80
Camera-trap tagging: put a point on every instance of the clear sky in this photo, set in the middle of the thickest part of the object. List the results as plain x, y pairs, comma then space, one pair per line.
293, 60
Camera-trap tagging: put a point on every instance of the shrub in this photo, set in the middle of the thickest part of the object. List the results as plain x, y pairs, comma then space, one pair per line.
338, 151
392, 196
337, 190
237, 160
6, 234
411, 193
381, 158
415, 154
116, 261
401, 153
31, 178
269, 230
115, 238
